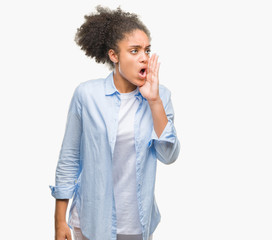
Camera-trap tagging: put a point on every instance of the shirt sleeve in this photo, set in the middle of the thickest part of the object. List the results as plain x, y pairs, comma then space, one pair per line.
167, 146
68, 166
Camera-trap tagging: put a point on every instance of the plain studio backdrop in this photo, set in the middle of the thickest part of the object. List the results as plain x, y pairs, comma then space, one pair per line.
216, 60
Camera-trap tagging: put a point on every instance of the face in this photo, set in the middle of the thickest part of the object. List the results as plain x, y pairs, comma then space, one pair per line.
133, 57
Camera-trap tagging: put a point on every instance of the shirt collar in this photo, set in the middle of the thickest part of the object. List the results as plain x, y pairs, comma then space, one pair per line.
109, 85
111, 89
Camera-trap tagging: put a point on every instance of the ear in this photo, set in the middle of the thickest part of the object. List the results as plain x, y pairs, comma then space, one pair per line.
113, 56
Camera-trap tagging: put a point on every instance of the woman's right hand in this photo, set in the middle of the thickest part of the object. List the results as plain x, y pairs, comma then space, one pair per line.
62, 231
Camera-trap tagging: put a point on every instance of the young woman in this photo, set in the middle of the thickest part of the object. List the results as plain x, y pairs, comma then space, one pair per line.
116, 130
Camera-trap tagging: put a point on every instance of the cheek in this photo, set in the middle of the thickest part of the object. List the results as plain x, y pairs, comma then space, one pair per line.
126, 67
123, 68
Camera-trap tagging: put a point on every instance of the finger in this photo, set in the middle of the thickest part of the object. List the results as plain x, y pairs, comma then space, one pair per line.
158, 68
69, 237
155, 63
152, 62
154, 68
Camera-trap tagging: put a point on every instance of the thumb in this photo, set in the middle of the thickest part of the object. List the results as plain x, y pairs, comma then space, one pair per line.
69, 237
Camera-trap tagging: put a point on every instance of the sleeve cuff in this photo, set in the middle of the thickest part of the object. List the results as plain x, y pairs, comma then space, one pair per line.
168, 134
62, 192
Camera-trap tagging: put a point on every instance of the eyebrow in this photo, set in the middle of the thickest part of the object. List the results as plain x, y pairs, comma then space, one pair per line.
139, 46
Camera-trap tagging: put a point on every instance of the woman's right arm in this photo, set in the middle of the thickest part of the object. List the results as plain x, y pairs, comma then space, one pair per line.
68, 167
62, 230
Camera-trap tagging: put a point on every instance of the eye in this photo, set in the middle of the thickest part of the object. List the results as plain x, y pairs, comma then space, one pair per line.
148, 51
134, 51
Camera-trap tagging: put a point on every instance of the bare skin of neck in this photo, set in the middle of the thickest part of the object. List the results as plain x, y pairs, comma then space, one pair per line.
122, 85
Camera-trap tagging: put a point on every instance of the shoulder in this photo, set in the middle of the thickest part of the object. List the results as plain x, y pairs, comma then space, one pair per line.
91, 84
90, 87
165, 93
164, 90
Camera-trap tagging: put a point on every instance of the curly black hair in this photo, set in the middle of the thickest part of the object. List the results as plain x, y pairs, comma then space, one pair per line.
103, 30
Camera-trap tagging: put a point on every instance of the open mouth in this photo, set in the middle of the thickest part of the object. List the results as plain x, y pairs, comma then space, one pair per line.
142, 73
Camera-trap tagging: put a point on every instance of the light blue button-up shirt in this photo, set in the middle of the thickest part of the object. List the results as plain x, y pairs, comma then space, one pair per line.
84, 169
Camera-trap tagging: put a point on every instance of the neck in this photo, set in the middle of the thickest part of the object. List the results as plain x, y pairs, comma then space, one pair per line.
122, 84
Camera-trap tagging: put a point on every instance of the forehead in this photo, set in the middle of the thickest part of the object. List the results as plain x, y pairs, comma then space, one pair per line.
137, 37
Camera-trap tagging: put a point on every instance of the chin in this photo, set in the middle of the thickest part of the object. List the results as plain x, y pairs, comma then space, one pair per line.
140, 82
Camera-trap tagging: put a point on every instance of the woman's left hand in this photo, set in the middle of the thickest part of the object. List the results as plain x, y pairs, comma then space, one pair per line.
150, 90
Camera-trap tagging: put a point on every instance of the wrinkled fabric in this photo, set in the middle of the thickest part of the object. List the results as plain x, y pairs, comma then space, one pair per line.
84, 168
77, 235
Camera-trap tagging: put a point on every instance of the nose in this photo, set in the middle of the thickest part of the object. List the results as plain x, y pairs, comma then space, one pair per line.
144, 57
